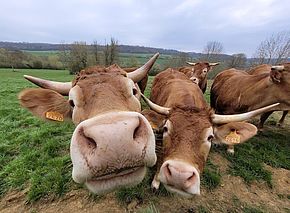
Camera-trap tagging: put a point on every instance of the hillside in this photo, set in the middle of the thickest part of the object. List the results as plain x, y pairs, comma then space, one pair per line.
122, 48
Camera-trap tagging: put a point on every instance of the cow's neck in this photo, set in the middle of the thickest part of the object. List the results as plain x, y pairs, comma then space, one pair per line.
182, 95
262, 90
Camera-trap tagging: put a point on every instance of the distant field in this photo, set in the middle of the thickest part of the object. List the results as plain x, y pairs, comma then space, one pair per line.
34, 157
124, 58
43, 53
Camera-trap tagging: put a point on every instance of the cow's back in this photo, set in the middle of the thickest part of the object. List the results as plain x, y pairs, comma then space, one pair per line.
231, 91
263, 68
172, 88
224, 92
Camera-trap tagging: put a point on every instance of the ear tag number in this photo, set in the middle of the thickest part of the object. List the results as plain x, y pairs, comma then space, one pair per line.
55, 116
233, 138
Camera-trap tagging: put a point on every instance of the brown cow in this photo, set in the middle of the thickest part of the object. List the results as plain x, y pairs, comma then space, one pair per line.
235, 91
189, 126
197, 72
112, 143
265, 68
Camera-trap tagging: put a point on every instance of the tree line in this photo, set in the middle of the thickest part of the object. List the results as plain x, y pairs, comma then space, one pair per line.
79, 55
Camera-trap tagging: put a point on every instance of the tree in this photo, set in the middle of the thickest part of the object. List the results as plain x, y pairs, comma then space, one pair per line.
64, 55
78, 57
238, 61
107, 54
212, 50
95, 52
113, 51
274, 49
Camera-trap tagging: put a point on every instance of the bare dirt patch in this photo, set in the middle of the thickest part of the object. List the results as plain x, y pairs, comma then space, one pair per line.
233, 195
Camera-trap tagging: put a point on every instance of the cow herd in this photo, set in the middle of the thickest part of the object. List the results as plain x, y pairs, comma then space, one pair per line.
114, 142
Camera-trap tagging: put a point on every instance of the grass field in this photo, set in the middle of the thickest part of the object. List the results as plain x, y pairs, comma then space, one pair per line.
124, 60
34, 155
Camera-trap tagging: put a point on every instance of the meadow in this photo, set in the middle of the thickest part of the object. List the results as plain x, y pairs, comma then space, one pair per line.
34, 160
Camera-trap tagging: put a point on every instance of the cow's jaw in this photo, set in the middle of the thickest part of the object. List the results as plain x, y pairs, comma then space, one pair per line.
112, 150
107, 183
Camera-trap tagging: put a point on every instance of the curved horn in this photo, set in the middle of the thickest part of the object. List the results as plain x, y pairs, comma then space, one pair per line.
280, 67
155, 107
60, 87
191, 63
222, 119
214, 64
141, 72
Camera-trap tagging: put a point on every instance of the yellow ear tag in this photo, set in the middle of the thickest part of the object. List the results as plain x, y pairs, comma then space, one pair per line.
233, 138
56, 116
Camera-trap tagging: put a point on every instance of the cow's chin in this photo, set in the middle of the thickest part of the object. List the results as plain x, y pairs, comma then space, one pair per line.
110, 182
179, 191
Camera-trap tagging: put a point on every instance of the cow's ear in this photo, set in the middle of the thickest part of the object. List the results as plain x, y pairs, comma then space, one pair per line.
155, 119
46, 104
276, 76
234, 133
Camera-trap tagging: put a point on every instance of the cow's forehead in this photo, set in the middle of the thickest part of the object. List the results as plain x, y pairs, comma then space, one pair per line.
99, 73
198, 118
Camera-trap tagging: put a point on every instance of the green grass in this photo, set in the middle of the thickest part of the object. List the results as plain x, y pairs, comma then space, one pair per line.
211, 177
42, 53
270, 147
35, 154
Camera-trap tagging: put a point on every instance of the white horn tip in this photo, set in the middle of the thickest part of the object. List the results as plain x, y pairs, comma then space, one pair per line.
280, 67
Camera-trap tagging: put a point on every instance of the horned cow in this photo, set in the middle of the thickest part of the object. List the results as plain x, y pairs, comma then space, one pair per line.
112, 143
189, 127
266, 68
197, 72
235, 91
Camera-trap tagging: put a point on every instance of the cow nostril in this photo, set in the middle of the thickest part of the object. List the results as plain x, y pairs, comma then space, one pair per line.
191, 177
136, 132
168, 170
90, 141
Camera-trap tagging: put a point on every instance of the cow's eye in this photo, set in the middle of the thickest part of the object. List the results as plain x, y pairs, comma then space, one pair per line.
135, 91
71, 102
210, 138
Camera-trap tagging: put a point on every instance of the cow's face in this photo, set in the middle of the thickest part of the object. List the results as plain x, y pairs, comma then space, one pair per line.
187, 137
112, 143
281, 74
96, 94
197, 72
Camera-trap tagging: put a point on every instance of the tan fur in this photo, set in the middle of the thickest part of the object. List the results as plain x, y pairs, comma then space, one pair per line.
197, 71
189, 115
103, 89
235, 91
40, 101
265, 68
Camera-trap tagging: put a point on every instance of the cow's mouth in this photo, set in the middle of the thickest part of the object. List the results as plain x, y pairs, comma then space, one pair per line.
122, 178
117, 173
181, 192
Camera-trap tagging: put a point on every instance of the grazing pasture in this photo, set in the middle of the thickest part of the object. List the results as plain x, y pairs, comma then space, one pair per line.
35, 167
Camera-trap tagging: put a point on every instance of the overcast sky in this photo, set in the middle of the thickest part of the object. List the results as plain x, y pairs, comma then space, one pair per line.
186, 25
